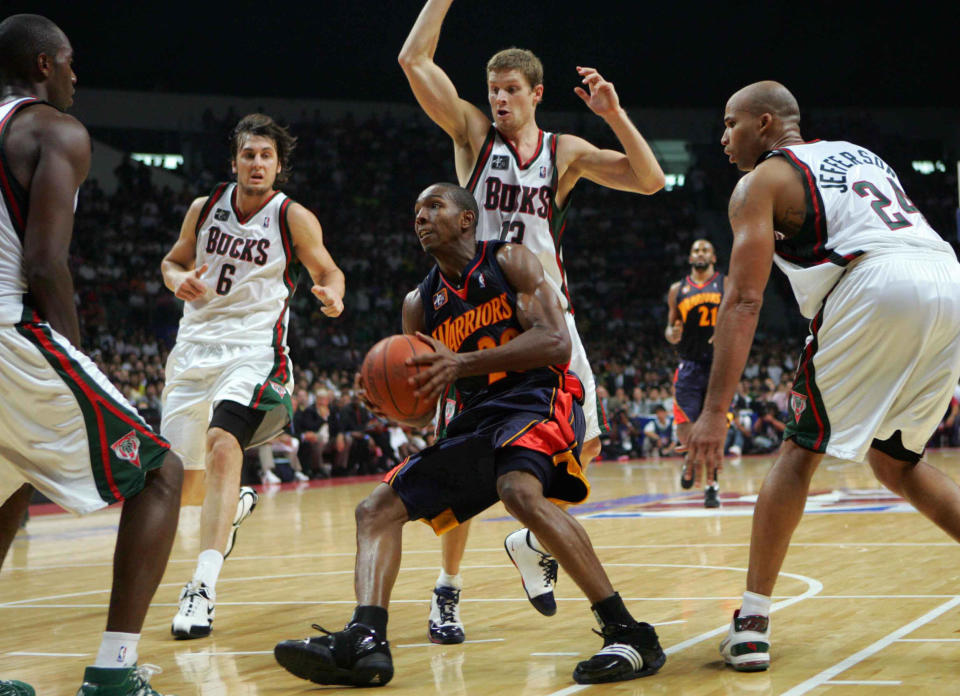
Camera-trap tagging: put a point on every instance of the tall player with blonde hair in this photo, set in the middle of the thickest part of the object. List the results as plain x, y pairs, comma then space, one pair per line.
522, 178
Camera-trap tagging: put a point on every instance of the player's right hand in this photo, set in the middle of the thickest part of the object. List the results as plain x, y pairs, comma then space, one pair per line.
361, 390
676, 331
191, 287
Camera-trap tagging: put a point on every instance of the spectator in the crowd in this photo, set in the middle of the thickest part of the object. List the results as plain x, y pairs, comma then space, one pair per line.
313, 431
767, 430
659, 436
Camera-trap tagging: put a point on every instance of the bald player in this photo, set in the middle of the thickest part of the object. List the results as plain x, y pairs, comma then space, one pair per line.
882, 291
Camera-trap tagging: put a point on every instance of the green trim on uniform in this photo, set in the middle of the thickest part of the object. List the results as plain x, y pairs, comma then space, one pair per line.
807, 422
122, 447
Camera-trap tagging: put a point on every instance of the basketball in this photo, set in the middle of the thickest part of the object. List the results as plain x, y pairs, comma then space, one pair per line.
384, 374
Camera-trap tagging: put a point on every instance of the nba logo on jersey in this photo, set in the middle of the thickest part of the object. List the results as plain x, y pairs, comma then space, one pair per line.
798, 402
266, 221
499, 162
128, 448
221, 214
440, 299
543, 172
481, 280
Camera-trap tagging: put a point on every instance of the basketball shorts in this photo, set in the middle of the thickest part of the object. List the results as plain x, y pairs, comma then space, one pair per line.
596, 419
690, 387
883, 355
64, 428
201, 375
456, 478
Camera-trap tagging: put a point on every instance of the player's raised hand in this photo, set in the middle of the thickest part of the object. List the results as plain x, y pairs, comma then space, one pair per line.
602, 98
191, 287
443, 367
329, 298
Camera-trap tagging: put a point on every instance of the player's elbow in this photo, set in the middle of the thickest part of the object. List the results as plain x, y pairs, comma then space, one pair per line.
408, 59
652, 182
43, 270
748, 303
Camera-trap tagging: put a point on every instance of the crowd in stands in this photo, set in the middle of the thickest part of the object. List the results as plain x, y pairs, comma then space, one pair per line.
361, 178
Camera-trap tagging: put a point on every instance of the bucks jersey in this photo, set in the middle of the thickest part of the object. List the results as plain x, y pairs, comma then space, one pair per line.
698, 306
479, 314
516, 201
855, 205
250, 274
13, 222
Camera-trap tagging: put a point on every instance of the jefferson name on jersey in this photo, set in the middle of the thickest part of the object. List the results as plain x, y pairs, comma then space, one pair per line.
833, 169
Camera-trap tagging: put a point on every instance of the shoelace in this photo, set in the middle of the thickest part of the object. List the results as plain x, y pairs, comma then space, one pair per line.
193, 604
144, 672
448, 607
549, 567
318, 627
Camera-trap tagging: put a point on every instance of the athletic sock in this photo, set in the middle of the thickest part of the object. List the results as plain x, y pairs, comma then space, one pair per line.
117, 650
755, 605
612, 611
209, 563
447, 580
373, 616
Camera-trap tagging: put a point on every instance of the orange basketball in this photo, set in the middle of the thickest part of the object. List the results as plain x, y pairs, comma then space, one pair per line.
385, 377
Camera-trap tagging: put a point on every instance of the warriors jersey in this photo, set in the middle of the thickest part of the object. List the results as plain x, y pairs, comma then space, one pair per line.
250, 276
698, 305
516, 201
480, 314
855, 205
13, 223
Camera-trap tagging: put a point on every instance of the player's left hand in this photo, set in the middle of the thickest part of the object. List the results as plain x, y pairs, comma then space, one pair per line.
602, 98
329, 298
443, 367
705, 445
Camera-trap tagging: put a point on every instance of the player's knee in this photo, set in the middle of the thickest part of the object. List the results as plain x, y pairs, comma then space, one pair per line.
520, 494
590, 451
383, 506
890, 472
168, 477
223, 450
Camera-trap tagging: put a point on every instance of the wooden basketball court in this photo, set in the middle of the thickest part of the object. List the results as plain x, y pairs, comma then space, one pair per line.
869, 602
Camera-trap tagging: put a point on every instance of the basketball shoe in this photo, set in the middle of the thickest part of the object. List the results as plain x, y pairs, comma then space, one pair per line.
629, 652
538, 571
195, 617
130, 681
355, 656
16, 688
245, 505
747, 646
445, 625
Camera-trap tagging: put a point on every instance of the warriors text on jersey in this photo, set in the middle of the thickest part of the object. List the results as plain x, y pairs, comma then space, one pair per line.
13, 220
516, 201
250, 276
855, 204
698, 306
481, 314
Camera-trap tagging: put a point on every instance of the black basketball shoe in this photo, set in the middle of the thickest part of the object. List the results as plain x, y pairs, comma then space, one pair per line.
355, 656
628, 652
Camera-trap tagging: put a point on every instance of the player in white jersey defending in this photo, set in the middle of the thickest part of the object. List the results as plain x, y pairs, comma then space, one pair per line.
64, 429
522, 179
882, 290
229, 378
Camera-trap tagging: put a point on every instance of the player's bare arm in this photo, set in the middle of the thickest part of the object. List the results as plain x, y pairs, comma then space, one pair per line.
177, 267
674, 330
329, 283
635, 169
751, 214
62, 163
413, 319
436, 94
545, 339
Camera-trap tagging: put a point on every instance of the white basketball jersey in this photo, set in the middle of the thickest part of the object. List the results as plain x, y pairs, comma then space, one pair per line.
855, 204
516, 201
249, 277
13, 223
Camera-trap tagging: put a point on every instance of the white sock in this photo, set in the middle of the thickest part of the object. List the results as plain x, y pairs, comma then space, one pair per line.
209, 563
535, 543
755, 605
117, 650
447, 580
